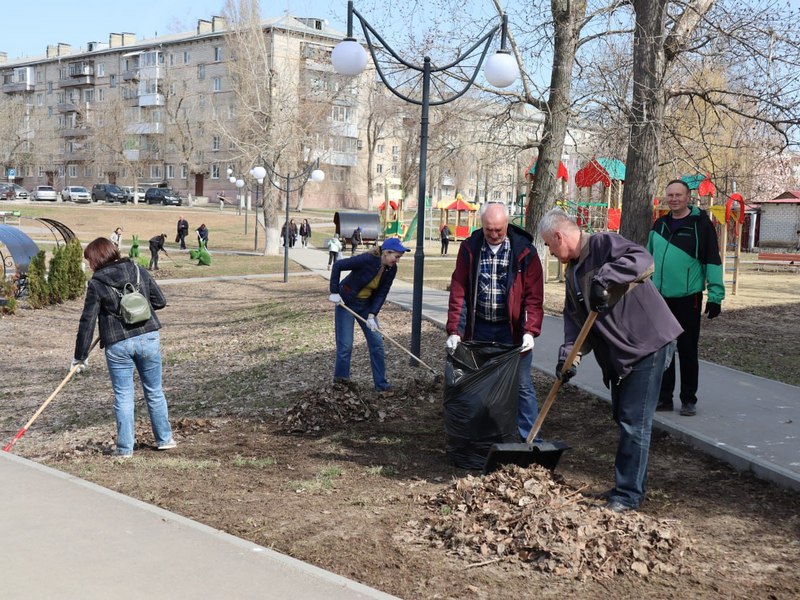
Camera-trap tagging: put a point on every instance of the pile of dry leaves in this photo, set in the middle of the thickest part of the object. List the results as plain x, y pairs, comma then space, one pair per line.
320, 408
527, 515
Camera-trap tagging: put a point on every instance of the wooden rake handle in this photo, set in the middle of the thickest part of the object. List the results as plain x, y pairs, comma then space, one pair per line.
386, 336
66, 379
568, 362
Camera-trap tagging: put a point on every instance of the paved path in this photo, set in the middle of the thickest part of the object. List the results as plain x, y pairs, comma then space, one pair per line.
748, 421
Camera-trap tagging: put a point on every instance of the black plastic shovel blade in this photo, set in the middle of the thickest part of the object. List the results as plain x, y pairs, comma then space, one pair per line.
546, 454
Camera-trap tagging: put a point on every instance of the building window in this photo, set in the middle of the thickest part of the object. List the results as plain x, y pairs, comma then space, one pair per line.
217, 84
184, 171
214, 171
101, 94
379, 188
87, 171
155, 172
72, 171
379, 149
171, 59
338, 175
170, 171
395, 150
496, 195
49, 87
39, 99
359, 145
101, 70
379, 168
231, 111
341, 114
394, 169
41, 170
217, 53
187, 58
49, 111
215, 143
201, 71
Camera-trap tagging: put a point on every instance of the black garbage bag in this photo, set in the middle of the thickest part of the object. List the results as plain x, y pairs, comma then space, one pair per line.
481, 390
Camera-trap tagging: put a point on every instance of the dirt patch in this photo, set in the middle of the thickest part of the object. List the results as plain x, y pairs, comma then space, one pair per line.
361, 490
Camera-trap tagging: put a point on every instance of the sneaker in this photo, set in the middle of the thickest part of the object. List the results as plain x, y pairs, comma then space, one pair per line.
664, 407
121, 456
688, 409
389, 393
168, 445
617, 507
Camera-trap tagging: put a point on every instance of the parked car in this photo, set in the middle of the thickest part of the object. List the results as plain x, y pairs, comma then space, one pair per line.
128, 189
6, 192
163, 196
20, 193
45, 192
108, 192
76, 193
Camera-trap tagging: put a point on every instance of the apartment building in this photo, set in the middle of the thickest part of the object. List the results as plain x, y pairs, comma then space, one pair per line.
179, 110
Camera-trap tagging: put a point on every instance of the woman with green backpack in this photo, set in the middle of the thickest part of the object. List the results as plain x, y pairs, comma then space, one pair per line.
129, 334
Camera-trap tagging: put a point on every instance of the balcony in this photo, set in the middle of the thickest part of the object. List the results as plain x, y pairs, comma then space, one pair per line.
71, 107
135, 155
152, 100
73, 157
23, 86
132, 75
71, 132
145, 128
79, 75
342, 159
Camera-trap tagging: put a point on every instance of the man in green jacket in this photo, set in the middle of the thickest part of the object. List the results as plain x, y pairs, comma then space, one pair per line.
684, 246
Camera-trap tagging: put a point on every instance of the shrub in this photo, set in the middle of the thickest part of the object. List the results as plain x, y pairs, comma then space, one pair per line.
38, 288
57, 278
8, 301
75, 273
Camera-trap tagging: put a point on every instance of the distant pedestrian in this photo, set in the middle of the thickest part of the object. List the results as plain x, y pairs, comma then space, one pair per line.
334, 249
221, 198
355, 240
116, 237
202, 235
156, 246
305, 232
183, 231
444, 236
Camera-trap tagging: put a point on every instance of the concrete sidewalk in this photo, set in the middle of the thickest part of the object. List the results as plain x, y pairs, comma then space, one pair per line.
748, 421
63, 537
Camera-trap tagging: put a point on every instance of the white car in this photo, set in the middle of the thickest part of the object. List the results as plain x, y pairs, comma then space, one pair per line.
76, 193
45, 192
128, 189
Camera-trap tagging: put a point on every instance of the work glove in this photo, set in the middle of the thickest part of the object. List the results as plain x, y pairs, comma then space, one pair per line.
335, 298
563, 375
527, 343
598, 297
713, 309
81, 365
452, 342
372, 323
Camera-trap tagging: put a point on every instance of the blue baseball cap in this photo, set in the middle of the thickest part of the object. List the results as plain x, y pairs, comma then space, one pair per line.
394, 245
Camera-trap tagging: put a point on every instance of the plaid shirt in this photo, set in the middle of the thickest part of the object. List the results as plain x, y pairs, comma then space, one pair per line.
493, 283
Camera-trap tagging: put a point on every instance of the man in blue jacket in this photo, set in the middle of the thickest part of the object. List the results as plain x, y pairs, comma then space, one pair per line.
363, 292
633, 338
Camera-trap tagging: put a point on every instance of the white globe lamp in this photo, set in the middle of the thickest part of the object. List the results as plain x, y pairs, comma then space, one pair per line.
501, 69
349, 57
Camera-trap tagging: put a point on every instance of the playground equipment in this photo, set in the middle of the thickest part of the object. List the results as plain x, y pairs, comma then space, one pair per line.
600, 214
391, 212
460, 207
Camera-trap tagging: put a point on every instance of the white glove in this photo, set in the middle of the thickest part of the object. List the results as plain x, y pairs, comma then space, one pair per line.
372, 323
527, 343
335, 298
79, 365
453, 341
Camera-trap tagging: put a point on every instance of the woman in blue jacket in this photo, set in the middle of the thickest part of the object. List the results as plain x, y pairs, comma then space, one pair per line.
363, 291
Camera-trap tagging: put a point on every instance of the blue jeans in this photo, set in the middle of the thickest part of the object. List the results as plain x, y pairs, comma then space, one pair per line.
143, 352
527, 409
633, 403
344, 344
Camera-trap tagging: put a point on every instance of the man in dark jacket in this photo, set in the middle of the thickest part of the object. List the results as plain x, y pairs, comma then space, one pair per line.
633, 337
496, 295
355, 240
183, 231
156, 245
684, 246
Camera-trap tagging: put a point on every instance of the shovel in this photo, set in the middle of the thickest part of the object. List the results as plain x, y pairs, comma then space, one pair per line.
546, 454
396, 343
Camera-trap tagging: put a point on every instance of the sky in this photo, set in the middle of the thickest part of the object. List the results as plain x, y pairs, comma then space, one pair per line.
50, 22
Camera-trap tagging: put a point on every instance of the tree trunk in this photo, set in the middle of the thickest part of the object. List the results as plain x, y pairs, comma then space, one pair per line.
567, 16
646, 119
271, 201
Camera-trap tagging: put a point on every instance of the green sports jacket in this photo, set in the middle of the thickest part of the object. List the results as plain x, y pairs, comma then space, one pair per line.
687, 259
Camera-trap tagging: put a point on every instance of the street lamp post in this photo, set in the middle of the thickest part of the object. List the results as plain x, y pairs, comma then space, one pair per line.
350, 58
258, 173
312, 172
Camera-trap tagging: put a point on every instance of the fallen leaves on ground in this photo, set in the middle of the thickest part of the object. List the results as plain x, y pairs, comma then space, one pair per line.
529, 515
